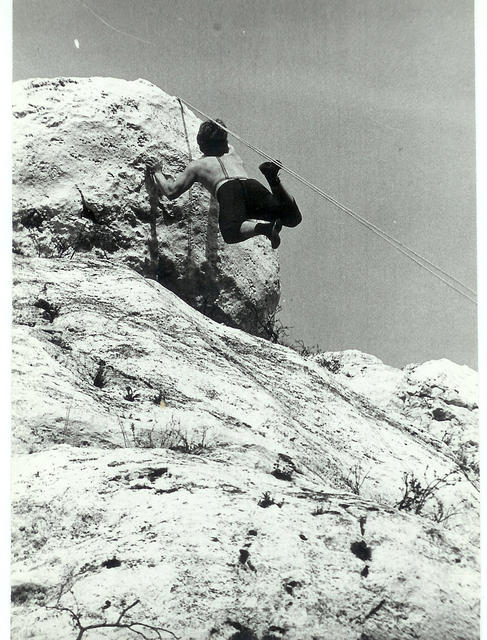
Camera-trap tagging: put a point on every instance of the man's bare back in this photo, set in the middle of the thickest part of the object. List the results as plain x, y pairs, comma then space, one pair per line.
209, 172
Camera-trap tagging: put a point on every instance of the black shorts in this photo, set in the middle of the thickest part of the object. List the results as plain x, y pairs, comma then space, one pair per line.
248, 199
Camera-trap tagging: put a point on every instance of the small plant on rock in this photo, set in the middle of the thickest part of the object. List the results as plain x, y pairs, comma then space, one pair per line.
130, 395
305, 350
442, 513
416, 495
267, 501
270, 327
356, 478
283, 470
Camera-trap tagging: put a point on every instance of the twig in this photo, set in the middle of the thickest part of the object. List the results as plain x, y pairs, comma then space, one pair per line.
118, 624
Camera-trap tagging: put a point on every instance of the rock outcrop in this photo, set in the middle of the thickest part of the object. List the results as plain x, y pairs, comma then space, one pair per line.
439, 396
236, 489
78, 169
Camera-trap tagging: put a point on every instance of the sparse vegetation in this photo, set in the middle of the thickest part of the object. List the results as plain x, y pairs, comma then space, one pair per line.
305, 350
267, 501
416, 495
442, 513
447, 438
122, 621
356, 478
61, 246
466, 458
270, 327
130, 395
333, 364
172, 437
283, 470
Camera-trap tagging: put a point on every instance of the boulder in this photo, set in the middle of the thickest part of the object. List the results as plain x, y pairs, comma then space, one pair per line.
79, 146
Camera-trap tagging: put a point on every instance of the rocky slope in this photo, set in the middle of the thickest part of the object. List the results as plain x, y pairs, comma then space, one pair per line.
235, 488
440, 396
78, 174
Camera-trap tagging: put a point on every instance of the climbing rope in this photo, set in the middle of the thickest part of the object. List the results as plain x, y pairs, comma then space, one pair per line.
190, 155
413, 255
185, 129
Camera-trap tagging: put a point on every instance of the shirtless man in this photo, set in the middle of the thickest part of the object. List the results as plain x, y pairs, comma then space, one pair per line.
247, 208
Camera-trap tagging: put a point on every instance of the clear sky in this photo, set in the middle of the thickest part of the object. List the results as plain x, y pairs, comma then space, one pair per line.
372, 100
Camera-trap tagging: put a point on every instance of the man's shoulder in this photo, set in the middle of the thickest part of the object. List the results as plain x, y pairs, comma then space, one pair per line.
196, 166
203, 162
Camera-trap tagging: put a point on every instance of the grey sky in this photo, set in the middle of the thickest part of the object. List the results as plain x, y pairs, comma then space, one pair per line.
371, 100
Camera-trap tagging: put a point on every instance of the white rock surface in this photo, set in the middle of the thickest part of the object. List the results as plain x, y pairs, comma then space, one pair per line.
96, 133
439, 395
108, 503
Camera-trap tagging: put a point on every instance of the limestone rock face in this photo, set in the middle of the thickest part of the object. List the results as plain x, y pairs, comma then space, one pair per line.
234, 488
439, 396
92, 135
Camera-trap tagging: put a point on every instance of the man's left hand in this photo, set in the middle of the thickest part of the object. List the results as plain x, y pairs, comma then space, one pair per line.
153, 164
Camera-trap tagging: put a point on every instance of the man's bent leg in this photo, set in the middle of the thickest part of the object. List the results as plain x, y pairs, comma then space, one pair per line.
252, 228
289, 211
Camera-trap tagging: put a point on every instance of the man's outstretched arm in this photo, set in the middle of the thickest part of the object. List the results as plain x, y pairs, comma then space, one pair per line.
172, 188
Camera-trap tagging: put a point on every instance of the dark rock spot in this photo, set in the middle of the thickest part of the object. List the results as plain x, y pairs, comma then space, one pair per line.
100, 376
156, 473
110, 564
243, 632
22, 593
274, 628
244, 556
365, 571
291, 585
361, 550
440, 414
282, 474
362, 522
50, 311
32, 218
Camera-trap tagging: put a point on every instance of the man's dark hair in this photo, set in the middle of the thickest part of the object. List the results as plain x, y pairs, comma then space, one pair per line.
212, 139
